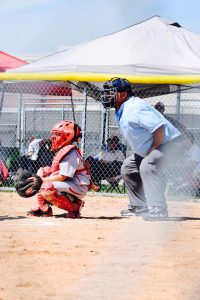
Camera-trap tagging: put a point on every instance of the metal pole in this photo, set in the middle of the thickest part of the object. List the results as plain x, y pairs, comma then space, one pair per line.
73, 112
104, 118
107, 129
18, 137
84, 120
3, 89
23, 124
62, 117
178, 103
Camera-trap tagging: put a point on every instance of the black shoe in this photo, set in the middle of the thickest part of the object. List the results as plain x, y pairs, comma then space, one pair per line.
72, 215
156, 213
134, 211
40, 213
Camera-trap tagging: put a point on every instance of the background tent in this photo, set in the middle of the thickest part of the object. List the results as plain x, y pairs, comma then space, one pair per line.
8, 61
154, 47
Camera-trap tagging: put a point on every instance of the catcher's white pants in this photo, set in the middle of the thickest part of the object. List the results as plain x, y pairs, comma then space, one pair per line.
79, 191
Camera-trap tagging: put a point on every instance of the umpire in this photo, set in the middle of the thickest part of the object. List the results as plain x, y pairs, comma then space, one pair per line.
156, 145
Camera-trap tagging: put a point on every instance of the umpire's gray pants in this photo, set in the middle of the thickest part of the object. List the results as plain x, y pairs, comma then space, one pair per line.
131, 176
149, 175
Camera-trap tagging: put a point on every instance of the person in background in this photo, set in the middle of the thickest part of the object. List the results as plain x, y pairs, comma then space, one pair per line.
118, 145
159, 106
107, 164
29, 160
33, 148
3, 172
190, 175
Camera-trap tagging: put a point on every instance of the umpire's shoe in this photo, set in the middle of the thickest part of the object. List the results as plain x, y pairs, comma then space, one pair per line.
156, 213
134, 211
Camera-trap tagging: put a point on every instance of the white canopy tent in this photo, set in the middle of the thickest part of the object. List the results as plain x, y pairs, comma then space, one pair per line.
154, 47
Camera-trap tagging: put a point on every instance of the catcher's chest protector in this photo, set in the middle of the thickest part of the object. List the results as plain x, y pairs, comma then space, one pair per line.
60, 155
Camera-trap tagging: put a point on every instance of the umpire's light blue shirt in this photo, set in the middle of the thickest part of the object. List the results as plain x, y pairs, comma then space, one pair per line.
138, 121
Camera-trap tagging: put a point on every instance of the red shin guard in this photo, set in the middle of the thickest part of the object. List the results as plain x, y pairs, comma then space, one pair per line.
42, 203
64, 203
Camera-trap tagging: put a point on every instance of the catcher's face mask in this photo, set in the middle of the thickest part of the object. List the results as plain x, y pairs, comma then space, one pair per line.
112, 88
64, 133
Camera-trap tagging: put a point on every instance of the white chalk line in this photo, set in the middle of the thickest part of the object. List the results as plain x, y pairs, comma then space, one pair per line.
28, 223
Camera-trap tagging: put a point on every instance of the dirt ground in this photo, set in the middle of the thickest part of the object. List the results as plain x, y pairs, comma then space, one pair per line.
101, 255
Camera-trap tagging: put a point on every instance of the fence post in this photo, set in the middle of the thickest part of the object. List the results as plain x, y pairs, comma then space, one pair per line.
22, 123
178, 103
18, 141
63, 113
104, 118
83, 127
73, 112
3, 89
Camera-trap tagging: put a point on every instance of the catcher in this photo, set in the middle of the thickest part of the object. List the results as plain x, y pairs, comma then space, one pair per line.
63, 184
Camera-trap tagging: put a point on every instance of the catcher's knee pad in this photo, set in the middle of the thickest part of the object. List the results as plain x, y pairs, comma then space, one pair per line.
47, 190
67, 202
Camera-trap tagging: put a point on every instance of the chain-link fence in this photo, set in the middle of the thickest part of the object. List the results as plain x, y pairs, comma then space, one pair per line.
30, 109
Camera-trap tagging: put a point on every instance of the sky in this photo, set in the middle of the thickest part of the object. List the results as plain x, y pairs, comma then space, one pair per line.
48, 26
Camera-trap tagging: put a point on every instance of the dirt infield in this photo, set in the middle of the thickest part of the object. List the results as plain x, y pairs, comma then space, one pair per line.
101, 255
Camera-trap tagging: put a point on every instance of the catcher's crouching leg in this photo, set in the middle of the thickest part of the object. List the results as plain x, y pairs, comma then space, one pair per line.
68, 202
43, 210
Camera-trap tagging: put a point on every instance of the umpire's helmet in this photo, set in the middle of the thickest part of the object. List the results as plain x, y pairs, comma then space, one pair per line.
111, 88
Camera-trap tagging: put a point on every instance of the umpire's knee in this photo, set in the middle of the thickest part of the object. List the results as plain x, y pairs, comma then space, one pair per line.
129, 170
125, 169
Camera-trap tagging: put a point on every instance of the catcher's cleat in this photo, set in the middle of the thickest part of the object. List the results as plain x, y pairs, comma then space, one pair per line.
75, 214
39, 213
72, 215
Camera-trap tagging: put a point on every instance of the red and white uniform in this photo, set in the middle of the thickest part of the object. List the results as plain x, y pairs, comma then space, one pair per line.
78, 179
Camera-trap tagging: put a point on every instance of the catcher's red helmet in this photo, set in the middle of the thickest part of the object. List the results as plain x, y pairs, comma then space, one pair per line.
65, 133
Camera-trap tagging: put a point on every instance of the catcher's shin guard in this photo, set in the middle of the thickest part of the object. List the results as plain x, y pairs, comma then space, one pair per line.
67, 202
43, 210
63, 202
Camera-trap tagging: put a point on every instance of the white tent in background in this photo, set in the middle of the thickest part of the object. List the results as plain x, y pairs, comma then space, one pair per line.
155, 46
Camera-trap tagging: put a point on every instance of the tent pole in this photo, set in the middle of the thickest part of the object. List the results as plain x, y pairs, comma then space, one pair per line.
84, 120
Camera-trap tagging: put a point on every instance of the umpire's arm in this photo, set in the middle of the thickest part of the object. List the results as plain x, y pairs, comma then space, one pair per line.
158, 135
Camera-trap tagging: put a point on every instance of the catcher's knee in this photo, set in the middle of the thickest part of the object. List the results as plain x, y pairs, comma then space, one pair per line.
48, 190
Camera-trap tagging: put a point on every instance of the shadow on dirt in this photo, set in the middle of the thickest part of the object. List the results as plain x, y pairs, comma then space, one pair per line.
183, 219
3, 218
92, 218
102, 218
177, 219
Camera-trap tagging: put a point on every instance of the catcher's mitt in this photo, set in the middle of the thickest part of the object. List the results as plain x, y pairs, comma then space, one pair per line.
25, 186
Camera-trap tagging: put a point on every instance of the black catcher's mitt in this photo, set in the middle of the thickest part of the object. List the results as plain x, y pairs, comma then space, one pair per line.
25, 186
